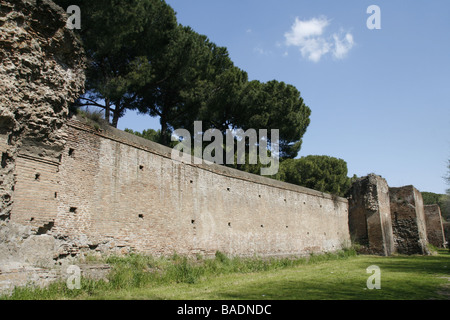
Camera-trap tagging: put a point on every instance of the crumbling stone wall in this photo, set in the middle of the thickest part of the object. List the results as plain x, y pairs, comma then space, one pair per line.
41, 73
370, 222
434, 225
408, 220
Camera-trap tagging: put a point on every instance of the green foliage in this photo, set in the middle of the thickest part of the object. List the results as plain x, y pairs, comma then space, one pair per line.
322, 173
442, 200
340, 275
431, 198
136, 271
140, 58
189, 73
122, 40
276, 105
150, 134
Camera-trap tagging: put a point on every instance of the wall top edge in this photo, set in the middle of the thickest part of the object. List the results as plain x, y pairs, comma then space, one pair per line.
120, 136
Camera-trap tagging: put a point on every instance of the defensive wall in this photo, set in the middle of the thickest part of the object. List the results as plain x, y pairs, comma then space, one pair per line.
435, 226
112, 191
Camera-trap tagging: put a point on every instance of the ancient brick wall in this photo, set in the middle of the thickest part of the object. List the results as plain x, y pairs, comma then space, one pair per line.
117, 192
370, 215
408, 220
434, 225
41, 73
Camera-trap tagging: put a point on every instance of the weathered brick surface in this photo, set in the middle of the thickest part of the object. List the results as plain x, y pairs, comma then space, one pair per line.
119, 193
408, 220
370, 216
36, 191
435, 228
41, 73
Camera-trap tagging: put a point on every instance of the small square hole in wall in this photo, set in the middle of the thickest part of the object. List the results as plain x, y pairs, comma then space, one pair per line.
192, 221
71, 152
228, 189
141, 167
192, 181
37, 176
73, 210
141, 216
56, 195
229, 224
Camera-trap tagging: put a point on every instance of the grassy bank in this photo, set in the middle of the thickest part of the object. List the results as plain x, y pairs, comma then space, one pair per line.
341, 275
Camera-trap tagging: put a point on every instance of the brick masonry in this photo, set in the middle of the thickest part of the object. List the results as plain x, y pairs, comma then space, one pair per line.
370, 215
434, 224
122, 193
408, 220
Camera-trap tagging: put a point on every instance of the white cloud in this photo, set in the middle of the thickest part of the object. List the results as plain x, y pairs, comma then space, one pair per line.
308, 36
302, 30
315, 48
342, 47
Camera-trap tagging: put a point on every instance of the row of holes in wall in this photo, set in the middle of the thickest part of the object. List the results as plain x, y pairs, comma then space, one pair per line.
141, 216
141, 167
262, 226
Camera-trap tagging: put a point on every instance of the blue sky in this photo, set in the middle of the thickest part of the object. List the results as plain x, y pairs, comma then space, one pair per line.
380, 99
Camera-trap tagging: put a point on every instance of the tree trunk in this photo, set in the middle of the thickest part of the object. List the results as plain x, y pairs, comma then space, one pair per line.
164, 131
116, 116
107, 110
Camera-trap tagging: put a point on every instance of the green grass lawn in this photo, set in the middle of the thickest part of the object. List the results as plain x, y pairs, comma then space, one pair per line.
329, 277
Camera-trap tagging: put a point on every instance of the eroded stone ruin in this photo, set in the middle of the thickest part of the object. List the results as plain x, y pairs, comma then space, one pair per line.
370, 215
408, 220
41, 73
384, 220
435, 226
